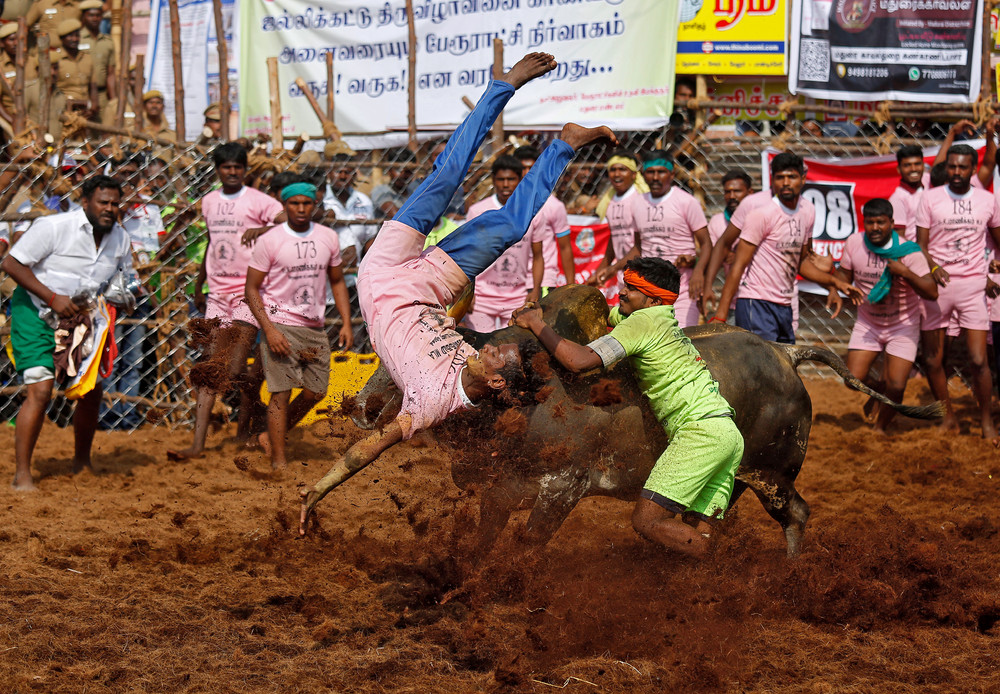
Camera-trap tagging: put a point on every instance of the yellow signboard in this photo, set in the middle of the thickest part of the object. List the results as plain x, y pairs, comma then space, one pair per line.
732, 37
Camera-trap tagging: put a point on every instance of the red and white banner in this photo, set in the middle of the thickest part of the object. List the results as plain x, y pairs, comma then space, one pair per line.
839, 188
590, 237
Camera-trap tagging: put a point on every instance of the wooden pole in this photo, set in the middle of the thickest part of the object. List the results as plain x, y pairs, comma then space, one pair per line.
175, 44
125, 57
310, 97
220, 35
497, 74
411, 77
19, 57
140, 84
329, 86
986, 88
116, 24
135, 134
44, 82
277, 131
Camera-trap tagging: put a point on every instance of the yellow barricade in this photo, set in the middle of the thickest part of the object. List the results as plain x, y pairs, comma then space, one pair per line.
348, 374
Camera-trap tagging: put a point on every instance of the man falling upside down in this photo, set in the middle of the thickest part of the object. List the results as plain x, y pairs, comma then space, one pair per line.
403, 290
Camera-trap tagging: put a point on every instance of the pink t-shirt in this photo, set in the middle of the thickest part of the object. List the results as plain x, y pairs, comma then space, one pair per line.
958, 227
780, 235
748, 205
553, 224
403, 292
620, 216
667, 225
717, 227
296, 264
904, 210
503, 286
902, 304
227, 217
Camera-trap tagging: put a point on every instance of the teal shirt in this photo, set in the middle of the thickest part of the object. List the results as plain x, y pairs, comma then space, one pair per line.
669, 368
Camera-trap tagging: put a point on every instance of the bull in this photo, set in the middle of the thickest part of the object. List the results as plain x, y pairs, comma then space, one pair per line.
595, 434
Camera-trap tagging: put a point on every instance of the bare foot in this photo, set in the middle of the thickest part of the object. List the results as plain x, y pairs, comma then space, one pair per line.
23, 484
989, 431
576, 136
309, 498
81, 465
264, 441
949, 424
186, 454
871, 409
528, 68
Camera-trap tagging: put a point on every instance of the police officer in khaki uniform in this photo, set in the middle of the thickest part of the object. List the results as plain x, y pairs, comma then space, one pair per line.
49, 14
8, 50
102, 53
73, 70
212, 129
153, 121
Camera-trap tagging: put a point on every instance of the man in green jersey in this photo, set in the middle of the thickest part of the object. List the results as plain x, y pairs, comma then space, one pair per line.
692, 481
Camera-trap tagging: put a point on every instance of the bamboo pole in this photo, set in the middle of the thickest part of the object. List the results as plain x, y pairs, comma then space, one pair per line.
135, 134
140, 83
411, 77
44, 82
220, 35
310, 97
123, 63
19, 57
330, 112
277, 131
497, 74
986, 87
175, 45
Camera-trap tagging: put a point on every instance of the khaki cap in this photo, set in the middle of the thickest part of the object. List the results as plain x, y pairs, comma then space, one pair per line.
214, 111
90, 5
68, 26
152, 94
8, 29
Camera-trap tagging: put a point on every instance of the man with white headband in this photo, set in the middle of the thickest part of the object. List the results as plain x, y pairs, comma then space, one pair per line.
691, 483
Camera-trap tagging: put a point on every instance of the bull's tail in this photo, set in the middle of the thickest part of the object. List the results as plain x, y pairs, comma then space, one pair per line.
801, 353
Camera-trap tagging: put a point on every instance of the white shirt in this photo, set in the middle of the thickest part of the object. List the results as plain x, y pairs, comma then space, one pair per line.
358, 206
144, 224
60, 250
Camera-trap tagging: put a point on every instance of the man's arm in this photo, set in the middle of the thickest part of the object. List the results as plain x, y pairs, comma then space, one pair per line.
537, 271
573, 356
697, 283
809, 271
989, 162
924, 285
566, 257
744, 255
595, 280
25, 277
965, 125
343, 304
277, 342
716, 259
939, 274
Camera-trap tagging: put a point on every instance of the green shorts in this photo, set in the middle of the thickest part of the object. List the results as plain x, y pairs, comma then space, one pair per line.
31, 339
697, 471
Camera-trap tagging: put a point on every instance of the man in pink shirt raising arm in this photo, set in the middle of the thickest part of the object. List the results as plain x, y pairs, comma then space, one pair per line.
403, 289
952, 224
286, 293
775, 243
228, 213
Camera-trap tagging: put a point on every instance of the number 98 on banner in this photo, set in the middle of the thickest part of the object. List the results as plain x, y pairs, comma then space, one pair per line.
836, 217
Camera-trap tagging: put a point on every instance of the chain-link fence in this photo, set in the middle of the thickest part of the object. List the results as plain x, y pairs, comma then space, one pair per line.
157, 346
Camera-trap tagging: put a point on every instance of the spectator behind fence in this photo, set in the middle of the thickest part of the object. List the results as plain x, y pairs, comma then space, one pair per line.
390, 196
57, 257
74, 69
505, 285
144, 223
557, 245
912, 183
344, 202
47, 15
228, 214
627, 189
154, 122
953, 223
736, 185
8, 53
102, 52
966, 130
775, 245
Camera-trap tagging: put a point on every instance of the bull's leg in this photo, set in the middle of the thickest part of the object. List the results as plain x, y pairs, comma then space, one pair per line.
557, 495
790, 510
498, 501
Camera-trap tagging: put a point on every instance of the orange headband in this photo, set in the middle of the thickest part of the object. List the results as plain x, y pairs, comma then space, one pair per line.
636, 280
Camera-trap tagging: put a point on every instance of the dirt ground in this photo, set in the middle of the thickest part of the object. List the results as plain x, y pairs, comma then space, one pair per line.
147, 575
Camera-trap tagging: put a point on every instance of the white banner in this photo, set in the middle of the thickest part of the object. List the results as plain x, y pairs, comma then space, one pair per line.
616, 60
199, 59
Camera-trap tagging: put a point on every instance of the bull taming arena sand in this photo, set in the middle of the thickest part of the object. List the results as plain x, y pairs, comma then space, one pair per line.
148, 575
